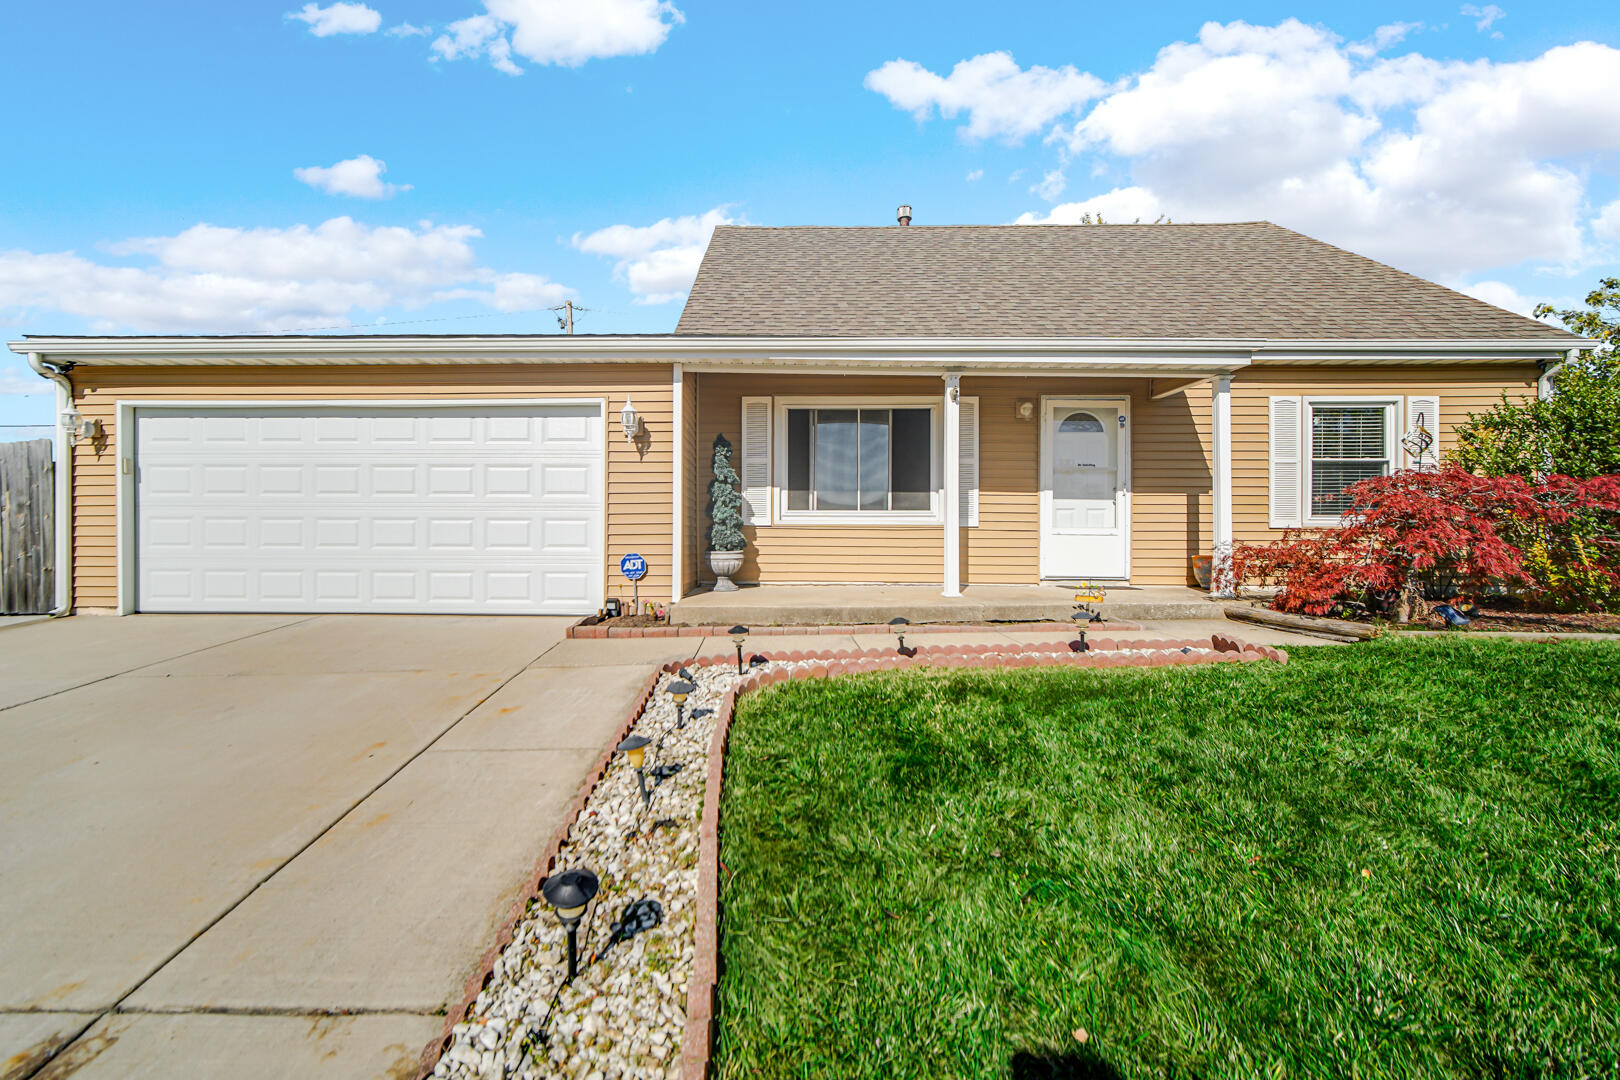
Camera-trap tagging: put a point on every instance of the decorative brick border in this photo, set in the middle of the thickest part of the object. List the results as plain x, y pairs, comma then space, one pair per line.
579, 630
697, 1041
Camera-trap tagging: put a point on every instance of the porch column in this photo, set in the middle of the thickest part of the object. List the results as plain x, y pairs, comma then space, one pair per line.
1220, 433
951, 471
677, 524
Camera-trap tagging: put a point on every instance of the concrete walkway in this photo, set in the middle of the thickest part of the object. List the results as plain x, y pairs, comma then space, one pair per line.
245, 846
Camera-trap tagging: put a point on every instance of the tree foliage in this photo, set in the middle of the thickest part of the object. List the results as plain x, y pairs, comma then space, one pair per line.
1577, 431
1558, 539
725, 502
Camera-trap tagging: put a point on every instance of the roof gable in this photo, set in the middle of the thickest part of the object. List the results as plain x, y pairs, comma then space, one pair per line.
1245, 280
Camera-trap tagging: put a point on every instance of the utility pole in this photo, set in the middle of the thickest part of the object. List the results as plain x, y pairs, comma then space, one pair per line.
566, 321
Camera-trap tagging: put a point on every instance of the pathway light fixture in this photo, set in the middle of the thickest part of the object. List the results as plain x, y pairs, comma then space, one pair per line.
739, 635
569, 893
898, 624
679, 691
635, 751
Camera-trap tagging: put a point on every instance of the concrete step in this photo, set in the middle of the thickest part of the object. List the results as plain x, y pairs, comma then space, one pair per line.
843, 606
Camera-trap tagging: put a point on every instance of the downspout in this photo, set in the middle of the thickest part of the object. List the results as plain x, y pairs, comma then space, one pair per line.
62, 474
1544, 385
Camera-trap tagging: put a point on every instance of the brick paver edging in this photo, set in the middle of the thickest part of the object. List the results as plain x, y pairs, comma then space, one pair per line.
579, 630
697, 1041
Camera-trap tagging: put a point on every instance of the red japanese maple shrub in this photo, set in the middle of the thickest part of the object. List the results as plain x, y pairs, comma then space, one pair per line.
1451, 525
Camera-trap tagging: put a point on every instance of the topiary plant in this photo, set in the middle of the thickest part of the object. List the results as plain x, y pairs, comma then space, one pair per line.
725, 502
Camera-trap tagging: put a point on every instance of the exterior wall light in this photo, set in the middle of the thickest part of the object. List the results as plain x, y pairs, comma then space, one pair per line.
679, 690
739, 635
898, 624
1024, 410
635, 751
630, 421
569, 893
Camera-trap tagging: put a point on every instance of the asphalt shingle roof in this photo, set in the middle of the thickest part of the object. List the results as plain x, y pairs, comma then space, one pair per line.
1246, 280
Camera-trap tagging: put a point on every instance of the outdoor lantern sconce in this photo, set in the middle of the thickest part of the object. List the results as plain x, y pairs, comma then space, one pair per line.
898, 624
630, 421
678, 692
739, 635
569, 892
635, 750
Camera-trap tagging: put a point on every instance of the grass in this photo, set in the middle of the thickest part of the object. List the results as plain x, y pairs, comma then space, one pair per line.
1396, 859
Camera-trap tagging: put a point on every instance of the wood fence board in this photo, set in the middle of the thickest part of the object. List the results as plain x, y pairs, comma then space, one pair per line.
27, 528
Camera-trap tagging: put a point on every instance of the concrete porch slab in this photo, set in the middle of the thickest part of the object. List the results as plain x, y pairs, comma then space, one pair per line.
844, 605
31, 1038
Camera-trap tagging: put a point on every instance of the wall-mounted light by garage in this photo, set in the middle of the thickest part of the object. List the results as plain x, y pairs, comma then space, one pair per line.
630, 421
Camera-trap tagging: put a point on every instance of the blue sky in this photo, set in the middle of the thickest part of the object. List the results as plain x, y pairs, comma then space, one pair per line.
220, 167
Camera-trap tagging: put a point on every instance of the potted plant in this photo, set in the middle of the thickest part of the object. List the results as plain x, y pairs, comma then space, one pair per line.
726, 541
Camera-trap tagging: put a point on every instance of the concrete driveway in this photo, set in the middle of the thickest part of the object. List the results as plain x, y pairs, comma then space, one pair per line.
270, 846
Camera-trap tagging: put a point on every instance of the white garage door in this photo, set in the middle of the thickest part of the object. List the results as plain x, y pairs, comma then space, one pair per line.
465, 509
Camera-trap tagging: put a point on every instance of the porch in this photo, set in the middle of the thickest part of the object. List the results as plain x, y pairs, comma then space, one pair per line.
988, 483
854, 605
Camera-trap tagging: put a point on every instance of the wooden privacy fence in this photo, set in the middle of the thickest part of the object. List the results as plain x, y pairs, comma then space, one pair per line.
27, 528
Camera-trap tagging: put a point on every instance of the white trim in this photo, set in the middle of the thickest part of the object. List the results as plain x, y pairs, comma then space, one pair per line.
1220, 436
779, 463
62, 488
1044, 478
677, 564
950, 459
1394, 407
126, 412
1169, 354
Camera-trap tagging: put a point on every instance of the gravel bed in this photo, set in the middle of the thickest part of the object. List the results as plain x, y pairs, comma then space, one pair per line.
624, 1015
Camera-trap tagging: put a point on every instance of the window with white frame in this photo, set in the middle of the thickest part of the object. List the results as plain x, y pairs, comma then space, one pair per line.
1350, 441
871, 460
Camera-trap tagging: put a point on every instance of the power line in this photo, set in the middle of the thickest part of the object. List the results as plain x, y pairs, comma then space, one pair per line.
567, 322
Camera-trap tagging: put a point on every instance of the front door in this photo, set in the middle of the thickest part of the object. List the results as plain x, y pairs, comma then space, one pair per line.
1085, 488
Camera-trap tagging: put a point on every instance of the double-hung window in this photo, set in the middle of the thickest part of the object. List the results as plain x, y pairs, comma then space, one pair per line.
1349, 441
874, 462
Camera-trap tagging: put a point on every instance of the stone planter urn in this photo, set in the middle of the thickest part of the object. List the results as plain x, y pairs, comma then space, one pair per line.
724, 564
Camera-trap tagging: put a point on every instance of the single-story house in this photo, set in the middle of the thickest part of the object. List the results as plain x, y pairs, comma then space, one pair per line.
940, 405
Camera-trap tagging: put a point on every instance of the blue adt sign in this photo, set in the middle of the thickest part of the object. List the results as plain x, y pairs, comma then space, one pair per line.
633, 567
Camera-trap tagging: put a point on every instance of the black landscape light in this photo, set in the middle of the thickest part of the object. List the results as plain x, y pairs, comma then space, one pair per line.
569, 892
679, 691
635, 749
898, 624
1081, 618
739, 635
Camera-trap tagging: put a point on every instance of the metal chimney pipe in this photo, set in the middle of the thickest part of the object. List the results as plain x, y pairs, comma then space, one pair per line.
903, 215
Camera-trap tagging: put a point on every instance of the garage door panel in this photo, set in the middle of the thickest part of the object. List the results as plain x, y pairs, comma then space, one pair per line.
370, 509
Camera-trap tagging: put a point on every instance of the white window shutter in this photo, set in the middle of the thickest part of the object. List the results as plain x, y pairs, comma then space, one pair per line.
1287, 467
755, 455
967, 458
1423, 412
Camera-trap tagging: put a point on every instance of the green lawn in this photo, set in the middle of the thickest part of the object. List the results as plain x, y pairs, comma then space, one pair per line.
1394, 859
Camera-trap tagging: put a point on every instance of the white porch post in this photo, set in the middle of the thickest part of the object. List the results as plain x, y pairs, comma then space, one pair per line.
1220, 431
951, 470
677, 525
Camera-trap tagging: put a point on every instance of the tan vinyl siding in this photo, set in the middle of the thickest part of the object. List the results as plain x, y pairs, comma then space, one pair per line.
1462, 389
639, 481
1170, 459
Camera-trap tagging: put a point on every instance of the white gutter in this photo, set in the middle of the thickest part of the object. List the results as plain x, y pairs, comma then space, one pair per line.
686, 348
1544, 385
62, 474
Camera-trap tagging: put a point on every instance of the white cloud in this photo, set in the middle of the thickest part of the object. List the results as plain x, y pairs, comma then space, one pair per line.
1445, 168
15, 380
339, 18
358, 176
975, 176
1606, 226
562, 32
1000, 98
658, 261
1483, 16
1051, 185
407, 30
1382, 38
1121, 206
215, 278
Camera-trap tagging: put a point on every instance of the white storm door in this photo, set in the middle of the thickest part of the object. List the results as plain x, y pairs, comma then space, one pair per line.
390, 509
1085, 488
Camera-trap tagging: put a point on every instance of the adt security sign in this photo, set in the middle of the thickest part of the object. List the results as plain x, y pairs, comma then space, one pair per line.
633, 567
